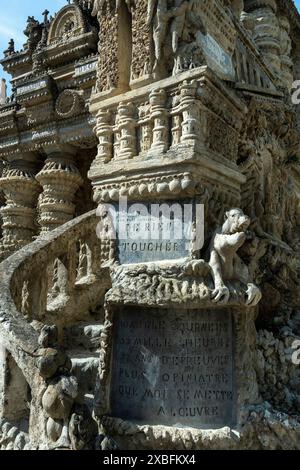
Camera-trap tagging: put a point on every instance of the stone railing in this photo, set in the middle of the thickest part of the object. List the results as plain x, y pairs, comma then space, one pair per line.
178, 112
56, 280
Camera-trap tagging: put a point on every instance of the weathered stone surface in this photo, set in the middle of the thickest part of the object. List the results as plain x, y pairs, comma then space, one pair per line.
160, 230
174, 367
155, 101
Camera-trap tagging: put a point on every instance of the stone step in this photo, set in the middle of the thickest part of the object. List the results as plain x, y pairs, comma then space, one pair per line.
83, 335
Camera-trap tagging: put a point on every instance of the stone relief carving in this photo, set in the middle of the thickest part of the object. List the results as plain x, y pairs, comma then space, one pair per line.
69, 103
183, 22
195, 135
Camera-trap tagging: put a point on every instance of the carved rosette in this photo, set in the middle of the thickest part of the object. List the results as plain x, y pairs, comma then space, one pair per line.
21, 190
60, 180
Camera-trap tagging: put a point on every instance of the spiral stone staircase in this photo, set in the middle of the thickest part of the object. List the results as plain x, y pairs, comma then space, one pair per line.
57, 280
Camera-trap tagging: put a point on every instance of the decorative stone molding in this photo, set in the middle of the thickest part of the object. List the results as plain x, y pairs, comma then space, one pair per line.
69, 22
104, 347
69, 103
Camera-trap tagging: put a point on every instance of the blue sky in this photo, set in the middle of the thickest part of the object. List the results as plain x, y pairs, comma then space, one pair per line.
14, 14
13, 18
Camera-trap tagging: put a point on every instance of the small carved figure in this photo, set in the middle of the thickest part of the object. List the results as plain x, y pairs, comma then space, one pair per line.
225, 264
58, 401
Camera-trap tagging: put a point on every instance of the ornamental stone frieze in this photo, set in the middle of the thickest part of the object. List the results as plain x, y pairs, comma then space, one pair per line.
60, 179
19, 213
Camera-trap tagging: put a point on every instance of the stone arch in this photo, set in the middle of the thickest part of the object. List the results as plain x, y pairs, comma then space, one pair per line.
69, 21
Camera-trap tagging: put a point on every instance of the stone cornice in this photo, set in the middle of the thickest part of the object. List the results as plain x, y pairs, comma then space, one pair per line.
73, 131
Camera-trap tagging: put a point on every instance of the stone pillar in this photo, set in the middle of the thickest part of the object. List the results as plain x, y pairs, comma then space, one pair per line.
126, 128
145, 129
160, 118
190, 108
266, 31
60, 180
104, 132
21, 190
115, 38
142, 48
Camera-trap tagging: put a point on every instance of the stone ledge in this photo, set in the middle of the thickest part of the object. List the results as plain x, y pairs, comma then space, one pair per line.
182, 283
264, 429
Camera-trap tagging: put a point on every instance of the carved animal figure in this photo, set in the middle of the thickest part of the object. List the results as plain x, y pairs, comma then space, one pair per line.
225, 264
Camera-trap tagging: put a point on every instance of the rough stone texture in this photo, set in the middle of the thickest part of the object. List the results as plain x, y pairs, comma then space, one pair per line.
190, 101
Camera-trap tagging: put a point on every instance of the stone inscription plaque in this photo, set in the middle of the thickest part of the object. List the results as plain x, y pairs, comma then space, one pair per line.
173, 367
159, 231
219, 60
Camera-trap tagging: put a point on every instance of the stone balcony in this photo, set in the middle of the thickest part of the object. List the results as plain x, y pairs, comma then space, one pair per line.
167, 138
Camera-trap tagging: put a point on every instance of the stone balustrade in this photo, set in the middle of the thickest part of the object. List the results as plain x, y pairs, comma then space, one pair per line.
151, 123
61, 275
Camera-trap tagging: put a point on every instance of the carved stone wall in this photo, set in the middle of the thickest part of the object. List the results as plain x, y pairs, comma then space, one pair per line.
167, 346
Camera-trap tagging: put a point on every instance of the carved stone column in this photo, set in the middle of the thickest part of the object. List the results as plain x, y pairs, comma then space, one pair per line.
104, 132
126, 127
160, 117
145, 128
266, 31
60, 180
190, 108
21, 190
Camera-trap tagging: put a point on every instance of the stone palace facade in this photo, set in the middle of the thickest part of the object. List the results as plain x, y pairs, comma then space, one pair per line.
112, 344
